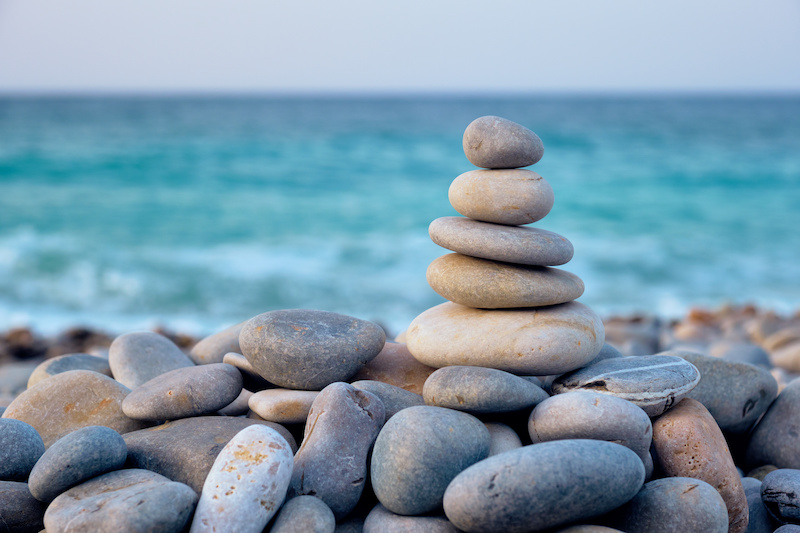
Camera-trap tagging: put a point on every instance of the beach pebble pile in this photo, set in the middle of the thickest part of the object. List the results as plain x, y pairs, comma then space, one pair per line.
505, 411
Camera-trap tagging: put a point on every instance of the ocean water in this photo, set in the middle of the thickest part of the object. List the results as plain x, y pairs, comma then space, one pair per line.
197, 213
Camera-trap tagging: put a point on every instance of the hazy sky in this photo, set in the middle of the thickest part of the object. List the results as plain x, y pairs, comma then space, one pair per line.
399, 46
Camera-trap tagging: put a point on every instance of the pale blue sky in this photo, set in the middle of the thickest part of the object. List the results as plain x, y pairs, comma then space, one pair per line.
408, 46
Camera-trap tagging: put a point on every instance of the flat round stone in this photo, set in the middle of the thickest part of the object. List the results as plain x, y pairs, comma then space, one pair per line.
480, 390
540, 342
306, 349
495, 142
512, 197
780, 492
511, 244
20, 448
71, 400
105, 504
62, 363
574, 480
185, 392
138, 357
284, 406
304, 514
213, 348
75, 458
653, 382
485, 284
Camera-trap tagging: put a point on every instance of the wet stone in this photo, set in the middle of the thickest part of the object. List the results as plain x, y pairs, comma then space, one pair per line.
138, 357
480, 390
653, 382
284, 406
496, 142
780, 492
213, 348
185, 450
185, 392
331, 464
575, 480
20, 448
382, 520
304, 514
774, 441
419, 451
104, 504
486, 284
60, 404
20, 512
307, 349
247, 483
62, 363
520, 245
75, 458
396, 366
394, 399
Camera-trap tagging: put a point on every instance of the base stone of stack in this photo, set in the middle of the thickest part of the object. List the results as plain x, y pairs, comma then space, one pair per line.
542, 341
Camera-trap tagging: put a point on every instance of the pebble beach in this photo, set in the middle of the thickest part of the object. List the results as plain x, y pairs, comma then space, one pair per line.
511, 407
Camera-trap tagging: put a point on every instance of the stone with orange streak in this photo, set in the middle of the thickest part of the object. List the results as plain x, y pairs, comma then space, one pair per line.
396, 366
689, 443
247, 483
72, 400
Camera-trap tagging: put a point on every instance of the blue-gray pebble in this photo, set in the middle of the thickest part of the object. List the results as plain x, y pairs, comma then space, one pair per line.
419, 451
80, 455
574, 480
20, 448
780, 492
19, 510
304, 514
776, 438
382, 520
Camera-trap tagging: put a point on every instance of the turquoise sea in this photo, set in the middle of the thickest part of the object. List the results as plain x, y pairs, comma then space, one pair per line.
200, 212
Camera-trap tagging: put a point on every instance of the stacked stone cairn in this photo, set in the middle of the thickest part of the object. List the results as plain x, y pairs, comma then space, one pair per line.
504, 412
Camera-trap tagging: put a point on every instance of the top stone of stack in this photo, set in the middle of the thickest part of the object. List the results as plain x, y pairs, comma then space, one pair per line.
495, 142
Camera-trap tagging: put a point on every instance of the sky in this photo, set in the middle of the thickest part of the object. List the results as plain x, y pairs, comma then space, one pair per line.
374, 46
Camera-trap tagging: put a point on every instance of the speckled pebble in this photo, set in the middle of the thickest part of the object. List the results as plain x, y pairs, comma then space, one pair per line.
496, 142
304, 514
136, 358
512, 197
20, 448
62, 363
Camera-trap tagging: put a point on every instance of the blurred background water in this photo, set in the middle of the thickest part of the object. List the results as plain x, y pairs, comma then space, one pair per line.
197, 213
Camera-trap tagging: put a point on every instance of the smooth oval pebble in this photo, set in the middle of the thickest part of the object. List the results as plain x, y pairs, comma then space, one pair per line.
512, 197
284, 406
185, 450
591, 415
212, 349
503, 438
382, 520
306, 349
653, 382
19, 510
304, 514
396, 366
510, 244
688, 443
776, 438
247, 483
136, 358
238, 407
480, 390
485, 284
736, 394
62, 363
60, 404
185, 392
780, 492
419, 451
331, 463
83, 454
496, 142
575, 480
549, 340
251, 379
105, 504
394, 399
20, 448
673, 504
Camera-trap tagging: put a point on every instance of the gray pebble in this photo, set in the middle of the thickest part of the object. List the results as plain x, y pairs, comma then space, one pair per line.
419, 451
81, 455
521, 245
20, 448
671, 505
304, 514
575, 480
332, 461
495, 142
213, 348
63, 363
20, 512
653, 382
382, 520
788, 528
503, 438
125, 500
238, 407
480, 390
394, 398
759, 519
250, 378
780, 492
606, 352
184, 392
776, 438
138, 357
306, 349
740, 352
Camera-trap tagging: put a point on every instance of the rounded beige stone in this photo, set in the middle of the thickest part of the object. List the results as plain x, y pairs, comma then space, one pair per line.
396, 366
512, 197
689, 443
284, 406
71, 400
496, 142
488, 284
548, 340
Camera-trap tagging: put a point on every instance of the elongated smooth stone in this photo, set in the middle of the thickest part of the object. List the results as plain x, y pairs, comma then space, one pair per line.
512, 197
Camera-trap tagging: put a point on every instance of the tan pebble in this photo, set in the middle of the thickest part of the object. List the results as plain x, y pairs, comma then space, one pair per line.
396, 366
787, 356
283, 406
